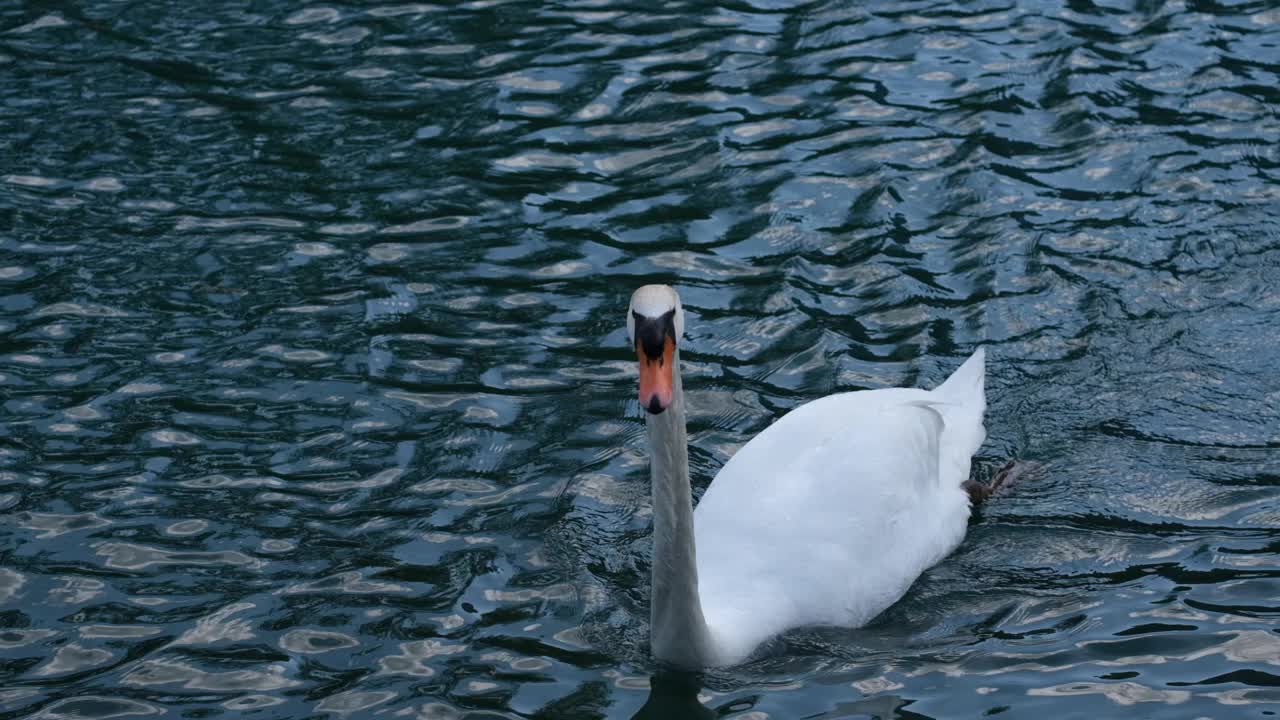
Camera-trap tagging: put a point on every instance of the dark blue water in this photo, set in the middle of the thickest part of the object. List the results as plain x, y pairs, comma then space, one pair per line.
316, 394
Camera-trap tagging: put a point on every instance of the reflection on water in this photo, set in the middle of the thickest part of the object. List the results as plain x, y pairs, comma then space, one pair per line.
312, 362
672, 695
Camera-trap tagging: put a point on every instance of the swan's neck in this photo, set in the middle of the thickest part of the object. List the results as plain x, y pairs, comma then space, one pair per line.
678, 632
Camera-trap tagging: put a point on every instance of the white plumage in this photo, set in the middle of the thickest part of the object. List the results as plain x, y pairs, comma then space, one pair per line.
828, 516
825, 518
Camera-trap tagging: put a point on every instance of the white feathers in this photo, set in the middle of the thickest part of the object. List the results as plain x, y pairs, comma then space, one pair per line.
826, 517
830, 514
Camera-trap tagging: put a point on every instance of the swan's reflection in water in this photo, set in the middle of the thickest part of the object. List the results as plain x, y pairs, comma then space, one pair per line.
673, 695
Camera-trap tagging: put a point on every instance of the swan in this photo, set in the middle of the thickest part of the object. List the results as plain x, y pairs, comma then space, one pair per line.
825, 518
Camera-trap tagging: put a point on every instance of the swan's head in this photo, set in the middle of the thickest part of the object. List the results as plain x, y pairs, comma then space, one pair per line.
655, 322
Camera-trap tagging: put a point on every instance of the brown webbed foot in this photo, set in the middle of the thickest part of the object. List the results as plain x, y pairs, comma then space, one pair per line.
1014, 471
978, 492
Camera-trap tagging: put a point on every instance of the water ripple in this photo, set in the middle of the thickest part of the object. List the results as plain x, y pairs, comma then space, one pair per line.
316, 389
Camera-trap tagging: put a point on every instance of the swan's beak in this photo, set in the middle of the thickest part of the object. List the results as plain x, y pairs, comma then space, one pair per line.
655, 376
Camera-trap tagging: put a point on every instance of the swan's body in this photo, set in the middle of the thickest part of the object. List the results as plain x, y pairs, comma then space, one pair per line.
825, 518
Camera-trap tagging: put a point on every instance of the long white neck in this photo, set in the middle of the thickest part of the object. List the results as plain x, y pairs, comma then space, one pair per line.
678, 632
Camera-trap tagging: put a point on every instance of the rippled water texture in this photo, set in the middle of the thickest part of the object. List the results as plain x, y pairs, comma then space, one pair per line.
315, 388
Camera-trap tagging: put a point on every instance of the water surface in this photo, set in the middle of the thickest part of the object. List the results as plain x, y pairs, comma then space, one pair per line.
316, 393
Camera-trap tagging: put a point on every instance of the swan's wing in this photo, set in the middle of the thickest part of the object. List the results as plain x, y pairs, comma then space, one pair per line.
831, 513
832, 450
827, 516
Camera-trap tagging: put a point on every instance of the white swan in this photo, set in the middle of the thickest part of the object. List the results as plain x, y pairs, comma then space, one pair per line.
824, 518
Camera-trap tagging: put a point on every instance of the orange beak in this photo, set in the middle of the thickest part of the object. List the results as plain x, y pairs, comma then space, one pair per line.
655, 377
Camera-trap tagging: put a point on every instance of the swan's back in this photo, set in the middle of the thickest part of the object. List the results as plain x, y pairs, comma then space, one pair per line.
829, 515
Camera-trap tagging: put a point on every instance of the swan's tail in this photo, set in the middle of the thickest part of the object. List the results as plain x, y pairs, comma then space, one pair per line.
964, 401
